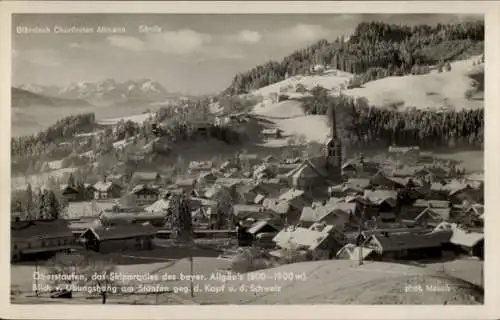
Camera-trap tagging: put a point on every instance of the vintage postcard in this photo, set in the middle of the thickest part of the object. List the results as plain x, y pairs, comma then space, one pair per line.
218, 156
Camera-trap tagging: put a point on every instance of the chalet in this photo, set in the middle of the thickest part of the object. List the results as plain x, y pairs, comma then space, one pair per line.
106, 190
215, 191
381, 180
272, 133
432, 173
463, 240
40, 238
260, 228
465, 193
359, 168
296, 198
119, 238
354, 186
437, 191
335, 214
384, 200
246, 193
352, 252
70, 193
253, 211
144, 194
309, 175
407, 245
161, 205
287, 214
475, 214
322, 242
432, 216
412, 211
146, 178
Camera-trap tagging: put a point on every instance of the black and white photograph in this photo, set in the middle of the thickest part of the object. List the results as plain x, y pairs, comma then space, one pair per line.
247, 159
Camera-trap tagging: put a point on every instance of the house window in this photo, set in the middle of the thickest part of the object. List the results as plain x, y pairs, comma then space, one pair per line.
43, 243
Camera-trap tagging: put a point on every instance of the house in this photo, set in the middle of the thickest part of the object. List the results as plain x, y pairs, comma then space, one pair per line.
119, 238
253, 211
106, 190
465, 193
145, 178
463, 240
359, 168
70, 193
260, 228
334, 214
384, 200
35, 239
407, 245
383, 181
410, 212
296, 198
310, 175
144, 195
354, 186
321, 242
272, 133
288, 215
352, 252
433, 216
187, 185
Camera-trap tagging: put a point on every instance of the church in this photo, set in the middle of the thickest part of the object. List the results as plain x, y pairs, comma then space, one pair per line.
319, 172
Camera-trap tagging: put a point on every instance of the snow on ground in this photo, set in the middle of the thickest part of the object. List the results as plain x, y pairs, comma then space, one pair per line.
138, 118
432, 90
326, 281
335, 281
331, 79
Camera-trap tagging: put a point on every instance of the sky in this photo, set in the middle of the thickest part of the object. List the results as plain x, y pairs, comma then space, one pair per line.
190, 53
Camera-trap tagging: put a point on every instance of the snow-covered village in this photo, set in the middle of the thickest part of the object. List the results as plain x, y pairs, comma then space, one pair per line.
349, 170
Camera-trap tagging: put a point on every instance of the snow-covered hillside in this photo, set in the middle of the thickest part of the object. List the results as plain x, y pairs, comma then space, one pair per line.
433, 90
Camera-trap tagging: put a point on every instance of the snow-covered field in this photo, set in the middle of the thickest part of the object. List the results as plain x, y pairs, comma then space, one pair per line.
432, 90
331, 79
327, 281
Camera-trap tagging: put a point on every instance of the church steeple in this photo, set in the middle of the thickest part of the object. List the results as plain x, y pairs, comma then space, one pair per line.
334, 150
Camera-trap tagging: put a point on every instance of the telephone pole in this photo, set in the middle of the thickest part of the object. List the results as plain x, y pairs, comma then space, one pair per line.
360, 243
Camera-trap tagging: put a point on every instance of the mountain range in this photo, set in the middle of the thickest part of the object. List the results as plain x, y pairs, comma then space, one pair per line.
25, 98
105, 92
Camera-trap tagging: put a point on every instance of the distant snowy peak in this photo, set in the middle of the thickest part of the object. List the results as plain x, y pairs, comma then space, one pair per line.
40, 89
110, 89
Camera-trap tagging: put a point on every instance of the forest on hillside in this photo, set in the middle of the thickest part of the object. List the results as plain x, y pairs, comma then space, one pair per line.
396, 49
363, 125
